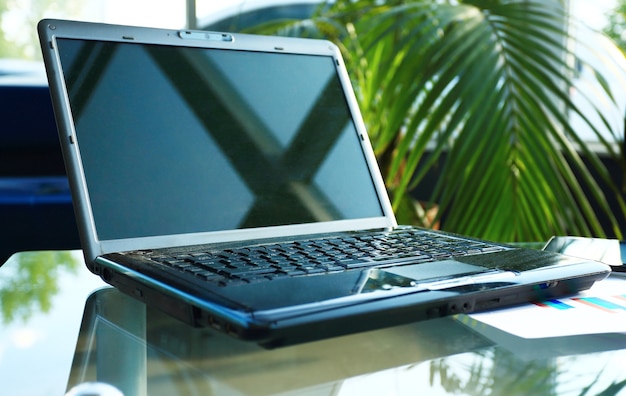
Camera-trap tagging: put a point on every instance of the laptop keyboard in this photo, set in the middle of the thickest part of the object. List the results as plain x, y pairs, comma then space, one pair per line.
261, 263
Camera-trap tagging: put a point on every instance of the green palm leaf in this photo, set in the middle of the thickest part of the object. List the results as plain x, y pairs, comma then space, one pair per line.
477, 92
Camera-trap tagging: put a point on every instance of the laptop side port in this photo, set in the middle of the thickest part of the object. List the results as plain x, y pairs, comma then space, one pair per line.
456, 308
214, 323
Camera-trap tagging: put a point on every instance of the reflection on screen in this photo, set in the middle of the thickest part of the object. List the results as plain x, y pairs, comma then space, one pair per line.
179, 140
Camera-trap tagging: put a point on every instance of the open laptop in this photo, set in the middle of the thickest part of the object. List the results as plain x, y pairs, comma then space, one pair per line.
228, 180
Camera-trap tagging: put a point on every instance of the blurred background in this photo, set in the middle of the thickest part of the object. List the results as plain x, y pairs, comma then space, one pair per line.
580, 192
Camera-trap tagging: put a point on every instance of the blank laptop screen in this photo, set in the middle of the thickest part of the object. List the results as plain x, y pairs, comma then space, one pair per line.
180, 140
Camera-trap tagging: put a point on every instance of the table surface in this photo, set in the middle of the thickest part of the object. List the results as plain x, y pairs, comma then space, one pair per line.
62, 326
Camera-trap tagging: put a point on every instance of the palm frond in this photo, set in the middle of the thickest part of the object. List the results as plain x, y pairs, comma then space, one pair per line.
479, 92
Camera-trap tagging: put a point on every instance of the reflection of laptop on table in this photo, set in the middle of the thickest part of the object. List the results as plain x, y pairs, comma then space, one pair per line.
162, 356
228, 180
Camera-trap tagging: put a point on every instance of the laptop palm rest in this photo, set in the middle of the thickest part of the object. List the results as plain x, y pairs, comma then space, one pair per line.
414, 277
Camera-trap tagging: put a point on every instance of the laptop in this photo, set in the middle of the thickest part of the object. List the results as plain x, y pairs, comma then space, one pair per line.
228, 180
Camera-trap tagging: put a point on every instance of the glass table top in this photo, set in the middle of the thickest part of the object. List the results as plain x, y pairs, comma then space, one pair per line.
62, 326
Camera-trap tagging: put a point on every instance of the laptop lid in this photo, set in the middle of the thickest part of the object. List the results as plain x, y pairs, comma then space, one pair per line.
178, 138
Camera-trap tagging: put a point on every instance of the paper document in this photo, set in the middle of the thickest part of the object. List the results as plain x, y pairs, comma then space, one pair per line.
601, 309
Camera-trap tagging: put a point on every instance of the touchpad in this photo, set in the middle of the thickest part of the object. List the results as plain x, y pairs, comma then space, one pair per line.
437, 269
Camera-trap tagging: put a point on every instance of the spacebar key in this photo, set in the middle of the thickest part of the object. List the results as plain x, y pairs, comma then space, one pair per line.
245, 272
349, 264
